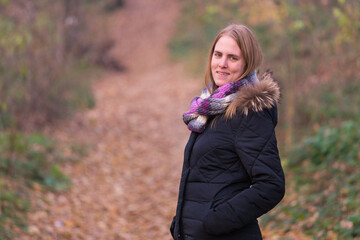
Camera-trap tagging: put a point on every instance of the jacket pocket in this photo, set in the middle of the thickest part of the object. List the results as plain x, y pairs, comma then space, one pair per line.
227, 193
219, 201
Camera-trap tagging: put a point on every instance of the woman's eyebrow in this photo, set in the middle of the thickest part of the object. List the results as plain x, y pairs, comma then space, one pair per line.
234, 55
231, 55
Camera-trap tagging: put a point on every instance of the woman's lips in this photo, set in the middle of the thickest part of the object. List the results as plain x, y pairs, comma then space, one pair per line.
222, 74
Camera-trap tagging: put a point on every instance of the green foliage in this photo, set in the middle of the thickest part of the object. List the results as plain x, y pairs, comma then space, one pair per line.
330, 103
325, 175
31, 158
347, 18
13, 207
26, 160
12, 37
57, 180
107, 5
329, 145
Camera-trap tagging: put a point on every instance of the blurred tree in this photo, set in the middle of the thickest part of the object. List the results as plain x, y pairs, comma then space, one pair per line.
71, 23
38, 42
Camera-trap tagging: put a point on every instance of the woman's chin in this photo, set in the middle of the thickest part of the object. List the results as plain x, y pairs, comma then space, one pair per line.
221, 82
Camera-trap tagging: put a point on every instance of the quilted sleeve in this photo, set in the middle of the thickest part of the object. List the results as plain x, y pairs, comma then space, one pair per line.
256, 146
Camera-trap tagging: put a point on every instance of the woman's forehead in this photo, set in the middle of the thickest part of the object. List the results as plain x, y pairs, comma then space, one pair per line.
227, 44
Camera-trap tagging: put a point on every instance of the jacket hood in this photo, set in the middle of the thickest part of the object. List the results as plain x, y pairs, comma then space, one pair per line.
262, 95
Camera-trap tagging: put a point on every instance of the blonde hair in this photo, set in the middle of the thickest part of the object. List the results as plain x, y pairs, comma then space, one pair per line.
249, 47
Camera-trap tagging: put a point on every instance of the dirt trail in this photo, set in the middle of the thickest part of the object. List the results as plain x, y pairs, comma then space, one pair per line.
126, 187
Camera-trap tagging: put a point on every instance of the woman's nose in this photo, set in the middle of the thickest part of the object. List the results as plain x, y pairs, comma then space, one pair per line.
223, 62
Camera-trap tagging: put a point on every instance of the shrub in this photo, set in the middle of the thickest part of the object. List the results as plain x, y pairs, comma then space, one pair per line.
13, 207
32, 158
325, 172
25, 160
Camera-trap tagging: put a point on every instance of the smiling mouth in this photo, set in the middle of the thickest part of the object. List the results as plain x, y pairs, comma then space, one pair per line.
223, 73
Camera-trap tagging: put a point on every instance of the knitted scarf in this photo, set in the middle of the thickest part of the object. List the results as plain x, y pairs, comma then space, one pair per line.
213, 104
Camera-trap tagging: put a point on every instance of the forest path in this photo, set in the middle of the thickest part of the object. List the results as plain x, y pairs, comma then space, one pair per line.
126, 187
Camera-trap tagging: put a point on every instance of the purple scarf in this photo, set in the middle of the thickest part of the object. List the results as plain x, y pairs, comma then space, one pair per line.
213, 104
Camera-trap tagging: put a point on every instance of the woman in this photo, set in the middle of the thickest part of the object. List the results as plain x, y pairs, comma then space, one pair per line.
232, 172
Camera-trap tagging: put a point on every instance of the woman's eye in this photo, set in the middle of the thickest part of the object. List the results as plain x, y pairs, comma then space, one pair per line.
217, 54
234, 58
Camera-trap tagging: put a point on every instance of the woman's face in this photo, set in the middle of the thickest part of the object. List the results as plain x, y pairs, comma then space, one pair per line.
227, 62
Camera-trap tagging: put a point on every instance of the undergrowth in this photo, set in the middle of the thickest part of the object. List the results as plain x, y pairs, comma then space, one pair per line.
323, 197
26, 160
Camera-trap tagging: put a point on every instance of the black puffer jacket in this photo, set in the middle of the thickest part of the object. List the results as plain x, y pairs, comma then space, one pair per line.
232, 172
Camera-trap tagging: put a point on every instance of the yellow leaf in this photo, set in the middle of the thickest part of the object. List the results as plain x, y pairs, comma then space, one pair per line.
69, 224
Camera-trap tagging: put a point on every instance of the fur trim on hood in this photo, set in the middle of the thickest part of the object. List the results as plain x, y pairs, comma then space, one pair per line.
262, 95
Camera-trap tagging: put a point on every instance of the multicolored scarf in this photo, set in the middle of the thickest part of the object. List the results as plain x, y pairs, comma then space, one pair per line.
215, 103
